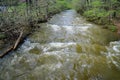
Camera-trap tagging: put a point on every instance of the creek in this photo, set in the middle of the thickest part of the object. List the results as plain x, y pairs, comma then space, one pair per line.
65, 48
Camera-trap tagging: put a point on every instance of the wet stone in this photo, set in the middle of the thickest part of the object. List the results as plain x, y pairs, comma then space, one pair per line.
35, 50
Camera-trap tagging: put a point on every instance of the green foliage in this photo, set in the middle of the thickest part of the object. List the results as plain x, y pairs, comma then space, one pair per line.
96, 3
80, 7
113, 28
63, 4
24, 13
96, 15
98, 11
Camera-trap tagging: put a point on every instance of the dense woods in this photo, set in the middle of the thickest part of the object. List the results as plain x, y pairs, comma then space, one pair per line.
15, 12
99, 11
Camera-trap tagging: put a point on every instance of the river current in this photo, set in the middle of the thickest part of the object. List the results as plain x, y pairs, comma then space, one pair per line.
65, 48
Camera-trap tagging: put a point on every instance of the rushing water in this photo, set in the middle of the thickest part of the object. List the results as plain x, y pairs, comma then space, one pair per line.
65, 48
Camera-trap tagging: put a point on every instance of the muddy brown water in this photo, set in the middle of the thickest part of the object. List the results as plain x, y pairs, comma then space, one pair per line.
65, 48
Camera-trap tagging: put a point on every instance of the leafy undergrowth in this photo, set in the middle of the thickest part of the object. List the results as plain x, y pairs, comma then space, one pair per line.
100, 11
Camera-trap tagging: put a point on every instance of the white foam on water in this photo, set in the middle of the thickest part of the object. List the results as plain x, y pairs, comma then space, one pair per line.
28, 45
59, 44
56, 27
114, 43
110, 59
116, 48
68, 28
83, 28
55, 66
89, 24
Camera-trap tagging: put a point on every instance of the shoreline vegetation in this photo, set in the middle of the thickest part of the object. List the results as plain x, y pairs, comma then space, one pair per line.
24, 16
19, 18
102, 12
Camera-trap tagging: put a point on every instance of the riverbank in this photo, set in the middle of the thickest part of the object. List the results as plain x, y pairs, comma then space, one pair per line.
100, 12
112, 25
25, 17
13, 37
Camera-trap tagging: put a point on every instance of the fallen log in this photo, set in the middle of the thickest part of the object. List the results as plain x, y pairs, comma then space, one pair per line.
7, 51
18, 40
12, 47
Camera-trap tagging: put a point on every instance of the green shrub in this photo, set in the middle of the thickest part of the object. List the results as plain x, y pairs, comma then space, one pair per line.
113, 28
96, 15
